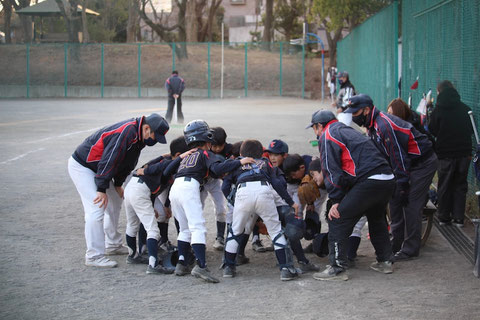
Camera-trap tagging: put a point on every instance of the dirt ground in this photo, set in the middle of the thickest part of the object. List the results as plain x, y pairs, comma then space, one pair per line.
42, 271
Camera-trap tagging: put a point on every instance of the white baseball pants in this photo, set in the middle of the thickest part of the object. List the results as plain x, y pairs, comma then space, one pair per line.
214, 187
139, 209
187, 209
101, 224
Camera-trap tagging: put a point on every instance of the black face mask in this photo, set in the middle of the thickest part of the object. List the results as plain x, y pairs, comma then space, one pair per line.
150, 142
360, 120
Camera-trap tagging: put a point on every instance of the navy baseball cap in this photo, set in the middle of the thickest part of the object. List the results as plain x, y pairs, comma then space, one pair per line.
358, 102
159, 125
342, 74
321, 116
277, 146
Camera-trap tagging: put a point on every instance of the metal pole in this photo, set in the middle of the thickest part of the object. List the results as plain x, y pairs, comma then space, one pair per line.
245, 79
280, 84
395, 51
323, 76
208, 72
173, 56
102, 77
470, 113
65, 72
303, 71
28, 70
139, 70
221, 72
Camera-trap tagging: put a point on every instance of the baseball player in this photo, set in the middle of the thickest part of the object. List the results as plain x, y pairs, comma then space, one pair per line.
213, 186
254, 198
185, 196
98, 168
359, 182
175, 86
146, 182
414, 163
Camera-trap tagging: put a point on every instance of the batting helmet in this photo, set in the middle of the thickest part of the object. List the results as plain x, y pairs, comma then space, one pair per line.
197, 130
294, 227
321, 116
312, 224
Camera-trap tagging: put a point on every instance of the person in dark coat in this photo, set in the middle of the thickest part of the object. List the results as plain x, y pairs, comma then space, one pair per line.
175, 86
452, 128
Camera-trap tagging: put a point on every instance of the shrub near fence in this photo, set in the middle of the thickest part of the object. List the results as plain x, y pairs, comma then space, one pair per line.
140, 70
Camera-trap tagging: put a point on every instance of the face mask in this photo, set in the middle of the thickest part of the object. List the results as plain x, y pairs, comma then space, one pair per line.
340, 82
150, 142
360, 120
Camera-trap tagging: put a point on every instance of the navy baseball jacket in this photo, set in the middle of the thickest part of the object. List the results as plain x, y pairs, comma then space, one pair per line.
201, 163
158, 173
265, 172
174, 85
347, 157
399, 141
112, 152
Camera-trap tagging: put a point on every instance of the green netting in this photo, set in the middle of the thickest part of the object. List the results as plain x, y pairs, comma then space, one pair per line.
441, 41
140, 70
369, 54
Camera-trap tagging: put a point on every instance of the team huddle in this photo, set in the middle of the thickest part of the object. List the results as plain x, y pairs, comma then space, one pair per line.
256, 190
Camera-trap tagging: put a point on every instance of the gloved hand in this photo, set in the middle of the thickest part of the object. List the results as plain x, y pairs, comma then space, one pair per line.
403, 191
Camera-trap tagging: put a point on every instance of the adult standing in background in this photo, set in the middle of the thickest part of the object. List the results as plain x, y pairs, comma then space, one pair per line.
451, 126
347, 90
175, 86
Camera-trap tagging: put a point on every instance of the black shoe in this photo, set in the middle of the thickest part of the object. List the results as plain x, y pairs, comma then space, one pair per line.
229, 271
241, 259
287, 274
158, 269
458, 223
137, 260
444, 222
402, 256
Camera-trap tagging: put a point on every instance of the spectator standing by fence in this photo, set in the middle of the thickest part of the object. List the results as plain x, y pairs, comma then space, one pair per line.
453, 130
346, 91
175, 86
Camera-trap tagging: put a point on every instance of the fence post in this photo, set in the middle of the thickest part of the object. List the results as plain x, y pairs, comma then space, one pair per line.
173, 56
139, 70
246, 70
280, 84
209, 75
28, 70
65, 72
303, 71
102, 77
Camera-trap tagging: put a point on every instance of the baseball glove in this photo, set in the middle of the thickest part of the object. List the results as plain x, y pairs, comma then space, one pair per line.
308, 191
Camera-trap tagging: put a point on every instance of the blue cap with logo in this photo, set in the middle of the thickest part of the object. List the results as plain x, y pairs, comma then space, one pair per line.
277, 146
358, 102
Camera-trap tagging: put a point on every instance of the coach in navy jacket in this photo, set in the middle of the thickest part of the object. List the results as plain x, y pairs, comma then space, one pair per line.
414, 164
175, 86
98, 168
360, 182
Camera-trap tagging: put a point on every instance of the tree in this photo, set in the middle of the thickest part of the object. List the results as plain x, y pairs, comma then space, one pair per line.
69, 11
287, 14
200, 19
335, 17
132, 24
162, 28
85, 35
7, 19
268, 23
26, 21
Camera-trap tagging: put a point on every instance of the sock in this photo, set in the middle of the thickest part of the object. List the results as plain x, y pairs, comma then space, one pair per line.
281, 257
221, 229
242, 243
183, 252
256, 233
163, 226
298, 251
132, 245
230, 258
353, 244
152, 245
142, 238
199, 249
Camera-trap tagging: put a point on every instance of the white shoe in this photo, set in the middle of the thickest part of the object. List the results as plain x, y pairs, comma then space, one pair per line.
116, 251
101, 262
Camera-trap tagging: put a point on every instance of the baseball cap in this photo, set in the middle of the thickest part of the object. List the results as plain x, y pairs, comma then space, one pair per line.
358, 102
159, 125
277, 146
321, 116
342, 74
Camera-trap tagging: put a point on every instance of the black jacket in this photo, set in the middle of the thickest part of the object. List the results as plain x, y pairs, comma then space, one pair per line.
112, 152
174, 85
451, 126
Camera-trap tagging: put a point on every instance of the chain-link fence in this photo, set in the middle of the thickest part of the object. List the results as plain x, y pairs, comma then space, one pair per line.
140, 70
440, 40
369, 54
